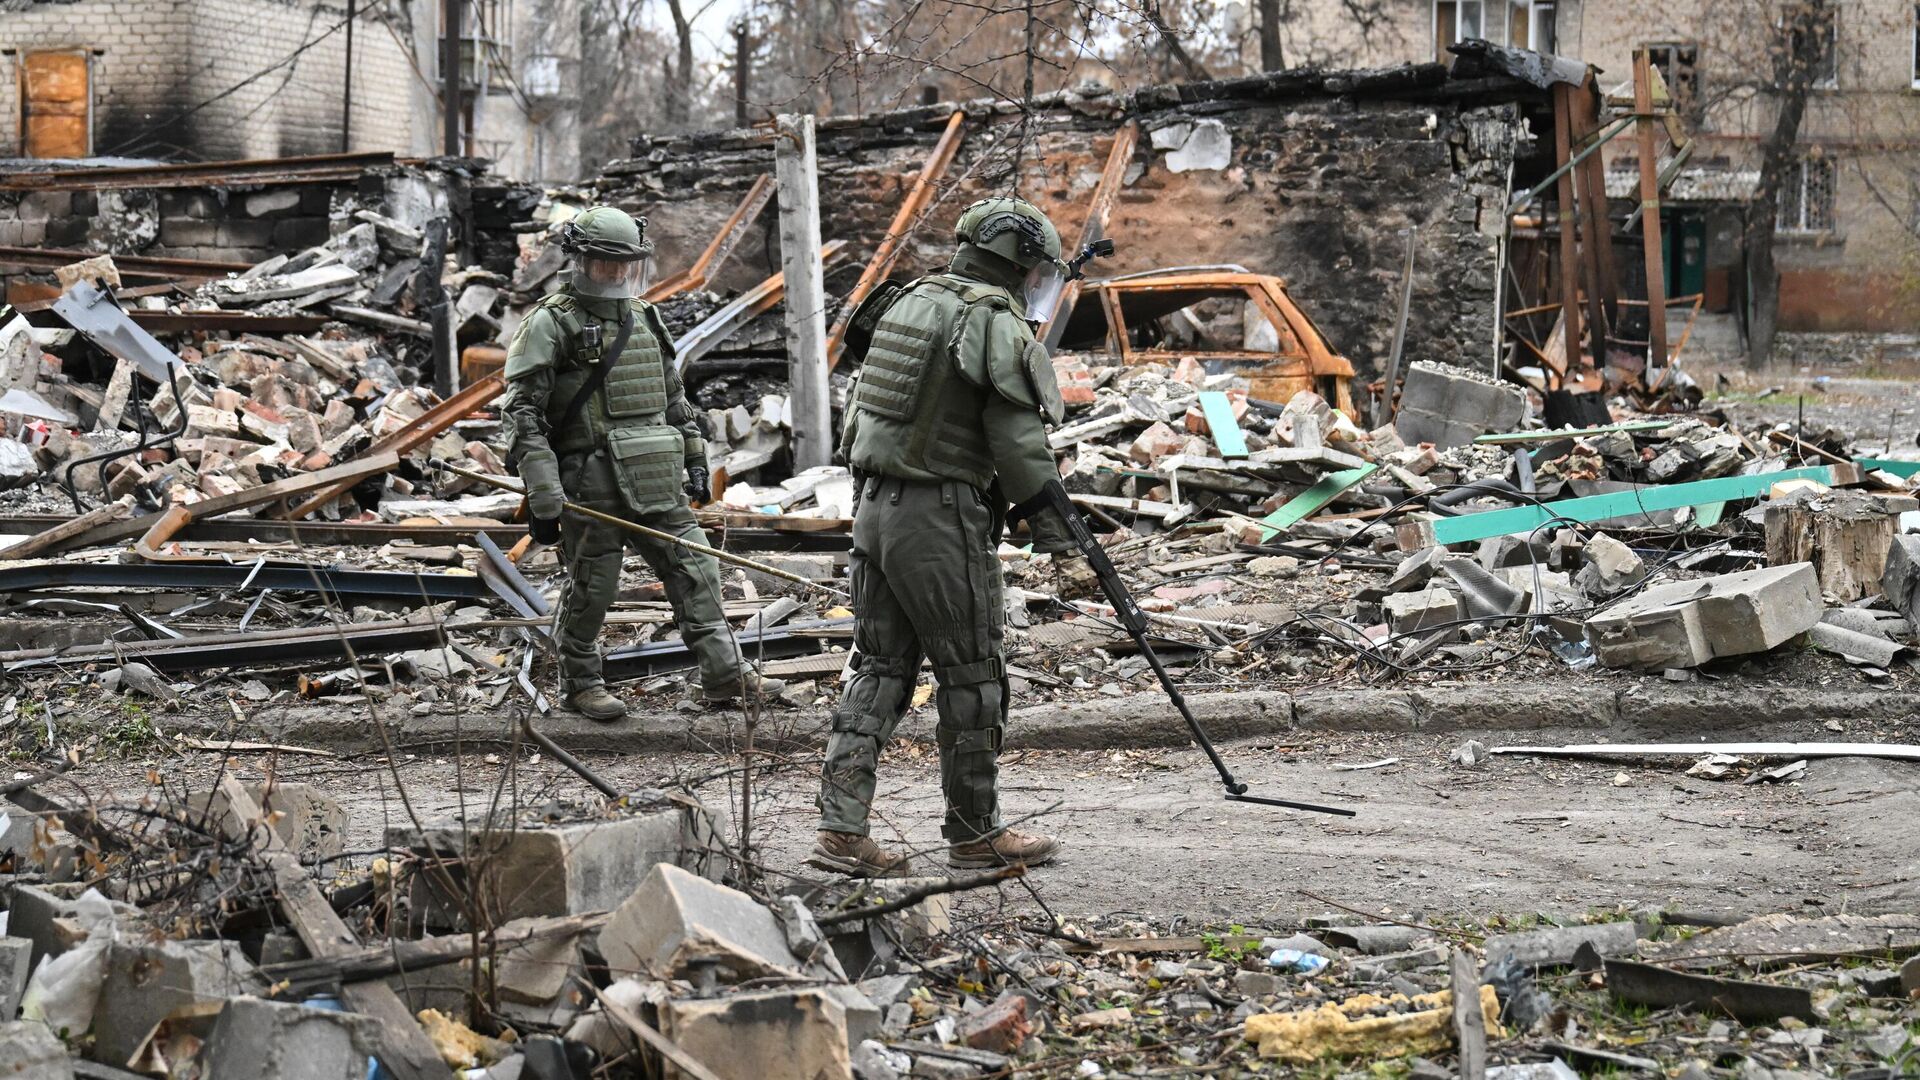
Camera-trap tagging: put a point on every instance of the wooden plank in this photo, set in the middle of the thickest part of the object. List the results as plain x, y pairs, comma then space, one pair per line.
1596, 230
904, 220
796, 176
1469, 1021
1313, 499
1586, 103
1145, 507
1222, 424
350, 473
1569, 254
405, 1050
1650, 211
67, 530
1095, 228
1524, 519
1548, 435
1089, 429
1165, 944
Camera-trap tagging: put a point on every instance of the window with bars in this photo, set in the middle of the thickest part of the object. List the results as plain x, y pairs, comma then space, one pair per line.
1807, 197
486, 44
1455, 21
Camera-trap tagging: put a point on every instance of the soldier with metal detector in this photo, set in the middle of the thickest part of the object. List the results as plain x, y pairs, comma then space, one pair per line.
947, 425
596, 415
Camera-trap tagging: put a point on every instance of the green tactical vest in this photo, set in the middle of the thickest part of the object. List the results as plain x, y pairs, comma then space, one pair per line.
917, 416
628, 413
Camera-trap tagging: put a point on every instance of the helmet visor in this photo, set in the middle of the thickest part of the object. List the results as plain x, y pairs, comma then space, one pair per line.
612, 279
1044, 284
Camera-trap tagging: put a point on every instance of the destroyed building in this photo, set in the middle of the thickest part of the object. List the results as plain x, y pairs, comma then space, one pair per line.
227, 80
1311, 176
288, 787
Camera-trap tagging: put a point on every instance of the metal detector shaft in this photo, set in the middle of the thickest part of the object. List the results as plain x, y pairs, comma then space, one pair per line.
573, 763
1135, 622
643, 530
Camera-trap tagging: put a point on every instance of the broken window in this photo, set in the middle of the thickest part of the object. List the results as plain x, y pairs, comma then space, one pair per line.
1454, 21
1807, 197
1530, 25
1200, 320
1678, 64
486, 41
493, 34
57, 105
1826, 68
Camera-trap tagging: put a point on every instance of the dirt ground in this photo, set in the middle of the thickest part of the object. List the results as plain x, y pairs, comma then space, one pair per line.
1147, 835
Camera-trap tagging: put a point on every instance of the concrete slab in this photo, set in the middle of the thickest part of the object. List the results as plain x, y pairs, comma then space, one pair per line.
1687, 623
558, 869
145, 982
800, 1033
676, 922
254, 1038
28, 1051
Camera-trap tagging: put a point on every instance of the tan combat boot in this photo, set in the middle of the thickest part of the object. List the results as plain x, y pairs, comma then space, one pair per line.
729, 693
1004, 848
856, 856
598, 703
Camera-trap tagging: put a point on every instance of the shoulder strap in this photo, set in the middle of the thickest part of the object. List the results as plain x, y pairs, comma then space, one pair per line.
599, 376
659, 327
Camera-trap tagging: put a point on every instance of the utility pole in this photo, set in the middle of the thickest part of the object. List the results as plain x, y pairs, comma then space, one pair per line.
1272, 56
450, 12
742, 68
346, 96
796, 181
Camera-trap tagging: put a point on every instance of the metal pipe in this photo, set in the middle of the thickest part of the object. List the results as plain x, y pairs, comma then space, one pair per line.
346, 94
1525, 197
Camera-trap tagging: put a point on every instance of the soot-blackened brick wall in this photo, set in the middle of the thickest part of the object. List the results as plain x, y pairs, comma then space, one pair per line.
1321, 174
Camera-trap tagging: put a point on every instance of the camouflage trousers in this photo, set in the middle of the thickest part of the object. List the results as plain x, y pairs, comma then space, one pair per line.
926, 584
594, 551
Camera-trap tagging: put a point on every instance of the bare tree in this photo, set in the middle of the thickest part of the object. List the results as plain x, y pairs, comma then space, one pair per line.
1804, 43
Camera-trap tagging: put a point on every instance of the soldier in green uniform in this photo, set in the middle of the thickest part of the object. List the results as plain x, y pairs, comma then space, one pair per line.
947, 425
596, 414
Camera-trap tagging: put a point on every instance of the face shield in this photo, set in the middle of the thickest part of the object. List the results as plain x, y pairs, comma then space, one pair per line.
611, 279
1044, 284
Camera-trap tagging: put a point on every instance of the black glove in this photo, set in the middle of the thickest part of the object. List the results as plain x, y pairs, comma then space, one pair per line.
699, 483
544, 530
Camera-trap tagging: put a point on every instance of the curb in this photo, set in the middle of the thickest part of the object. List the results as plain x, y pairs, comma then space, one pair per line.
1145, 719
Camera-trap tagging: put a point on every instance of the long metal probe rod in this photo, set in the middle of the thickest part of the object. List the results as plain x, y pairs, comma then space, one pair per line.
643, 530
1135, 622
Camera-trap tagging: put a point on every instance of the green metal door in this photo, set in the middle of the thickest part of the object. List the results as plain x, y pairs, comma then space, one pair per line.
1686, 244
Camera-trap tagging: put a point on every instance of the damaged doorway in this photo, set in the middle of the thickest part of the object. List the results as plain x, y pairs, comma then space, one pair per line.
56, 104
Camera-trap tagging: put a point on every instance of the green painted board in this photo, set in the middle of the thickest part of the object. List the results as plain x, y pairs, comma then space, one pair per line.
1524, 519
1569, 433
1312, 499
1901, 469
1222, 425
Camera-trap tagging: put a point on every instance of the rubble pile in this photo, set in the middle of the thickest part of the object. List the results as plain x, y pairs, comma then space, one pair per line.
179, 937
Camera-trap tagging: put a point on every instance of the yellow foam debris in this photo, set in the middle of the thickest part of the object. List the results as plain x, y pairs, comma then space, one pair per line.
1420, 1025
459, 1045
